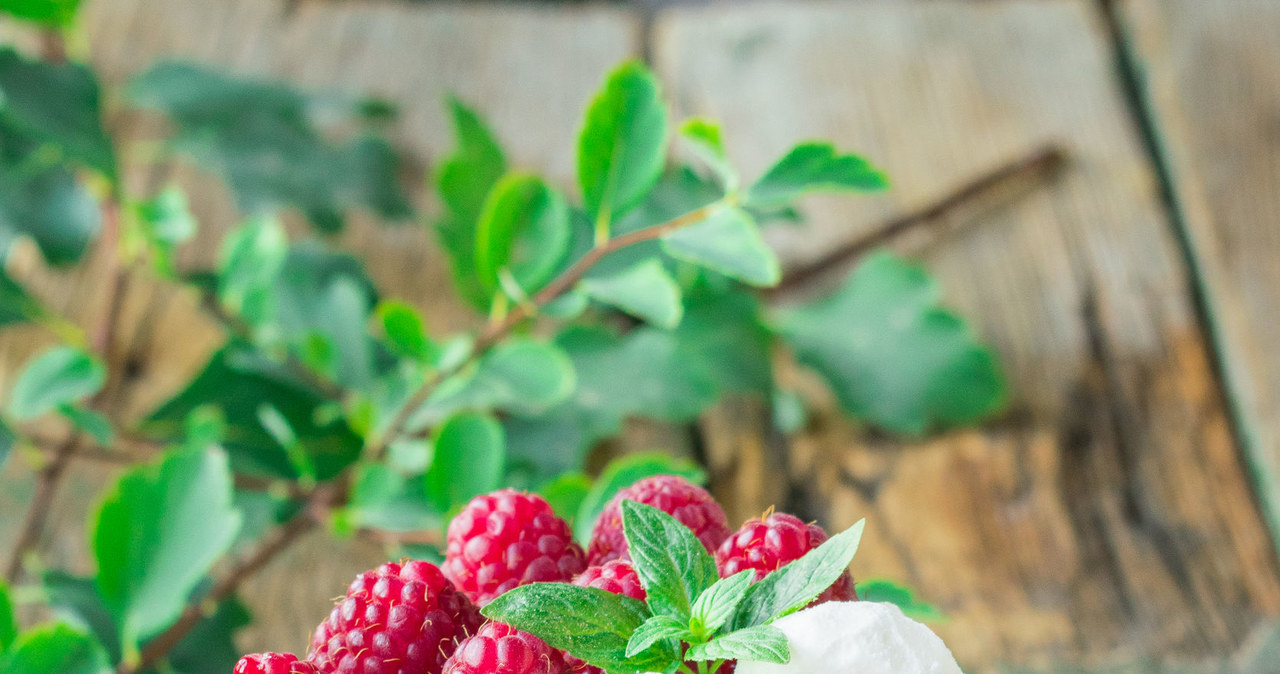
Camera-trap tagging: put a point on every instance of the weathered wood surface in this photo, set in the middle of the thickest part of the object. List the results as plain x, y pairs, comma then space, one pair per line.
1213, 76
1107, 516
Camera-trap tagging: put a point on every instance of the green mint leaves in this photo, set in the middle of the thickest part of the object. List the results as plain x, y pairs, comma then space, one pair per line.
687, 603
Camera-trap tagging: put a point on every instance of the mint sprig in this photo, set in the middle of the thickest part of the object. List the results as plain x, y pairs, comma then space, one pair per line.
690, 615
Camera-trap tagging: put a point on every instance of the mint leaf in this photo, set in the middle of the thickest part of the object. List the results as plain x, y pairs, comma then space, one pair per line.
404, 330
891, 354
156, 535
470, 451
703, 137
644, 290
810, 167
889, 592
8, 624
589, 623
57, 377
55, 649
727, 242
761, 643
713, 608
524, 230
793, 586
623, 472
653, 630
464, 181
673, 566
621, 146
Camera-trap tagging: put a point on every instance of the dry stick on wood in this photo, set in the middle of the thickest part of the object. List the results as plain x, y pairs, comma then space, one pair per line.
333, 492
1031, 169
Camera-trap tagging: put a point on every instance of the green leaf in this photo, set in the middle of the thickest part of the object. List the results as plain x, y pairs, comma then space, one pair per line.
789, 415
43, 199
652, 631
673, 566
383, 498
621, 146
156, 535
7, 439
210, 646
249, 261
591, 624
164, 222
464, 181
75, 600
713, 608
793, 586
56, 377
57, 104
566, 493
892, 355
889, 592
55, 649
238, 380
16, 305
523, 229
624, 471
468, 459
759, 643
727, 242
404, 330
520, 375
261, 138
50, 12
810, 167
703, 137
8, 624
645, 291
96, 425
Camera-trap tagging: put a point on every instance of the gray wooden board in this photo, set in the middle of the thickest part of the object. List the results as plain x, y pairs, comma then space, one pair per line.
1107, 516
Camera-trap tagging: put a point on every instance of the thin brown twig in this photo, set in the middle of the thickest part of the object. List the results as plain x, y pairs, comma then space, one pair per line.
1041, 164
334, 491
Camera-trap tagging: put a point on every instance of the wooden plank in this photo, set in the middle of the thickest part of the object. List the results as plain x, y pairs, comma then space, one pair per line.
497, 58
1214, 90
1107, 516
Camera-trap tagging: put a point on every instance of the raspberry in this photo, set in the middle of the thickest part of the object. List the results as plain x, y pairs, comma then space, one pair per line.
616, 576
505, 539
502, 649
674, 495
273, 663
396, 619
773, 542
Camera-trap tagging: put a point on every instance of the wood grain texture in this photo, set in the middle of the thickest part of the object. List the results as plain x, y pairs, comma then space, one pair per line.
530, 70
1107, 516
1214, 90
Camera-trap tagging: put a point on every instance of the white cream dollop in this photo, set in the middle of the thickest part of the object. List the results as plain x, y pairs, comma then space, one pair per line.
857, 637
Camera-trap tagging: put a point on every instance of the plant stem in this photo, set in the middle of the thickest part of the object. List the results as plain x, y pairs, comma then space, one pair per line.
1041, 164
333, 492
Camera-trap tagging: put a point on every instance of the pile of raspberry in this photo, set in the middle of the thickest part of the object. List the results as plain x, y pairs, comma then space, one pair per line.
416, 618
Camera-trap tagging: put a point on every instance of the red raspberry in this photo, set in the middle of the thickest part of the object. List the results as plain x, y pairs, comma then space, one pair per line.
273, 663
396, 619
617, 577
505, 539
769, 544
674, 495
502, 649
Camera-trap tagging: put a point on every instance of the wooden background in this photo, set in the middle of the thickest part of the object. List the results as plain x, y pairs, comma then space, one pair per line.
1117, 516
